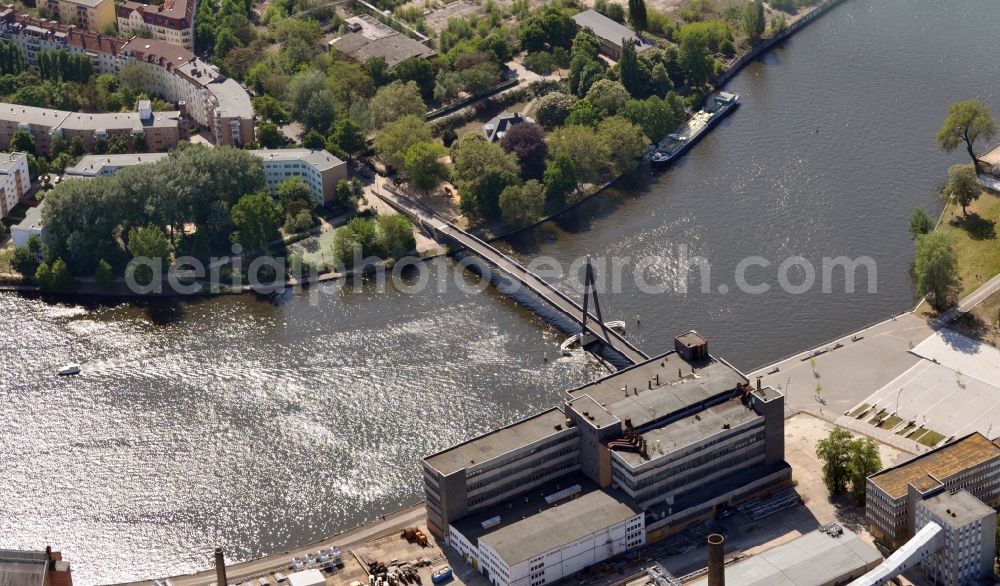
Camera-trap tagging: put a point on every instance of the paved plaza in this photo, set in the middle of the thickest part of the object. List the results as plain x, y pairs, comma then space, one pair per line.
953, 390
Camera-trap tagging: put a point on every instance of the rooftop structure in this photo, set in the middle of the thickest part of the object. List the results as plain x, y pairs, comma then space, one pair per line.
956, 510
367, 38
831, 555
611, 34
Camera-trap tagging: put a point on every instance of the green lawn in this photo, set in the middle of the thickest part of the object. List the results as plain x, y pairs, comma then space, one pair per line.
931, 438
857, 413
891, 422
977, 243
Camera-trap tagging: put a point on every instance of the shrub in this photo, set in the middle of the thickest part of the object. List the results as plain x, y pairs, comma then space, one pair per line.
541, 62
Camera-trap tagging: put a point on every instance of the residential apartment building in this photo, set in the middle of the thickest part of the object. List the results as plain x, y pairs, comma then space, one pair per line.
172, 21
31, 225
94, 15
671, 442
970, 463
968, 538
214, 101
319, 169
15, 180
160, 130
90, 166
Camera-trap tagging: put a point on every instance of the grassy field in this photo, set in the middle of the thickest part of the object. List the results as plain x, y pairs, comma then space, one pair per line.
977, 243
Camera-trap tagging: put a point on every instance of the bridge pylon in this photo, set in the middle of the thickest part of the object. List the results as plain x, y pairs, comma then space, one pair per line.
590, 290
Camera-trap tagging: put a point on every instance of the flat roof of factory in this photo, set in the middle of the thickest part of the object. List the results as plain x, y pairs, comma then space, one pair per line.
660, 386
529, 525
816, 558
496, 443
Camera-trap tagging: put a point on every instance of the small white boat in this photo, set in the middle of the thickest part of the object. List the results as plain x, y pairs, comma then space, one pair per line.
69, 370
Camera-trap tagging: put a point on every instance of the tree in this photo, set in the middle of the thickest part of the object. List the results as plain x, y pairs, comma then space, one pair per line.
149, 243
269, 136
584, 148
552, 109
22, 142
43, 276
963, 185
419, 71
482, 171
394, 235
24, 262
392, 142
624, 142
423, 165
310, 101
936, 268
104, 276
527, 142
754, 21
655, 116
313, 140
257, 218
583, 113
637, 15
920, 223
521, 205
607, 96
835, 452
347, 135
863, 462
966, 123
348, 193
295, 196
270, 109
393, 102
634, 73
560, 179
695, 56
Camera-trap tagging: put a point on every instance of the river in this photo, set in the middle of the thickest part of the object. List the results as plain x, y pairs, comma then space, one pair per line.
255, 426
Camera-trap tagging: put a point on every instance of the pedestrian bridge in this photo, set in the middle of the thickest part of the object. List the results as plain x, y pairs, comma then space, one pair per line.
444, 231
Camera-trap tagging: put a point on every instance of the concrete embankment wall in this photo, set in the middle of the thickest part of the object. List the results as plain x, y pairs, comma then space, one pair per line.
768, 44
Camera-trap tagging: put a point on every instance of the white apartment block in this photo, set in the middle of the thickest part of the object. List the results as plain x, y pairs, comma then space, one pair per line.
319, 169
15, 180
967, 541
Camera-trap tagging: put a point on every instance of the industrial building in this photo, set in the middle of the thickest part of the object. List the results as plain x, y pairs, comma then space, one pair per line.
34, 568
610, 34
829, 556
676, 439
969, 463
